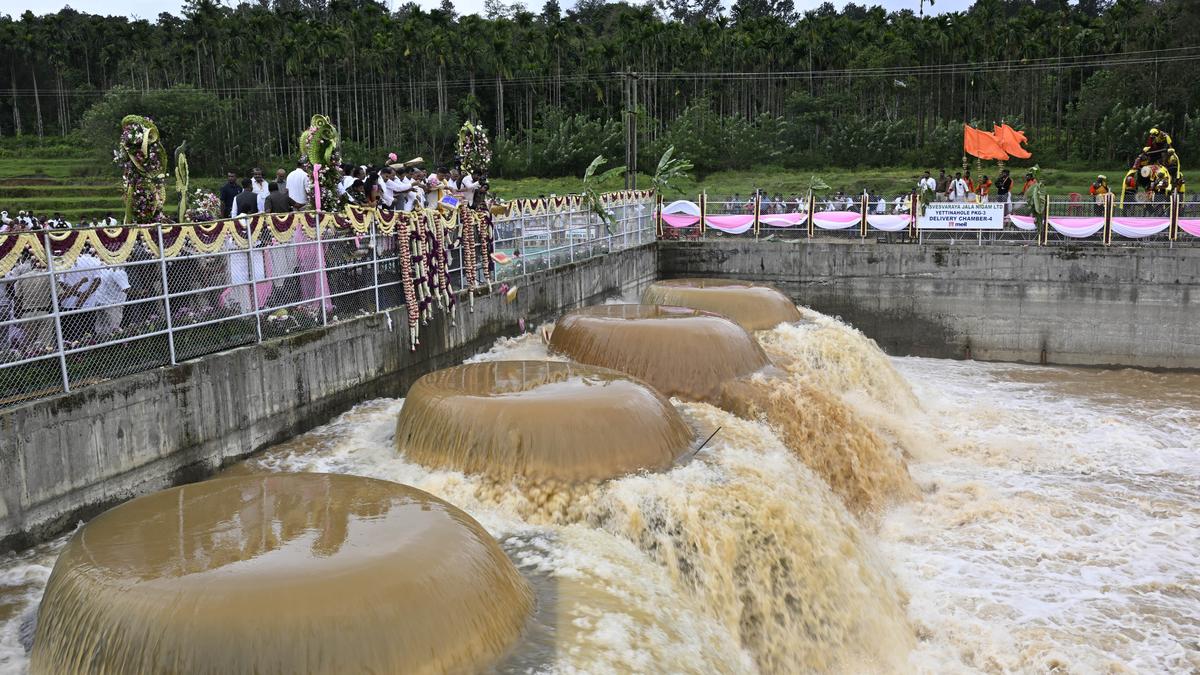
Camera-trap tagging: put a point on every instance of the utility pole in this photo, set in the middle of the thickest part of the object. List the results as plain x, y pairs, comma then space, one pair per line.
630, 96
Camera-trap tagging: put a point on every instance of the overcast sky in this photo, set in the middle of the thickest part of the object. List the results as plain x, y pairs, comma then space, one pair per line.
149, 9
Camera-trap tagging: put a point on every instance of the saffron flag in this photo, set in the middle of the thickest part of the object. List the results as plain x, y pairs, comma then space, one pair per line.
981, 144
1010, 139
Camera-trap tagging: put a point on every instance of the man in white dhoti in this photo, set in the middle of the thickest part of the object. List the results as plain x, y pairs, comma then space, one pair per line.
110, 297
77, 288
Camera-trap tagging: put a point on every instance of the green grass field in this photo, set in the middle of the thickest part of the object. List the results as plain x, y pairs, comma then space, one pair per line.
82, 187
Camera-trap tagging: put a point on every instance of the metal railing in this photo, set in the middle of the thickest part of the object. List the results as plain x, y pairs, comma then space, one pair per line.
88, 304
1155, 220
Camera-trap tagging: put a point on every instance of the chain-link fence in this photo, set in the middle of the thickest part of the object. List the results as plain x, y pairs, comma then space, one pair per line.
87, 304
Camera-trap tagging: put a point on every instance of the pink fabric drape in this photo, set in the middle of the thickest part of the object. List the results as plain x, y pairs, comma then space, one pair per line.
1076, 227
679, 220
736, 224
836, 220
1136, 228
783, 219
888, 223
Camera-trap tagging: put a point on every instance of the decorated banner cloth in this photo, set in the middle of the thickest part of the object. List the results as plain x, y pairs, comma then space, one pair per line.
1190, 225
546, 205
889, 223
784, 219
1076, 227
1026, 223
737, 224
836, 220
679, 221
115, 245
1136, 228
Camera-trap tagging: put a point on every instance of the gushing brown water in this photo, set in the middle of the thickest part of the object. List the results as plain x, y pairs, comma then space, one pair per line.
285, 573
828, 436
539, 421
761, 542
753, 306
680, 352
839, 359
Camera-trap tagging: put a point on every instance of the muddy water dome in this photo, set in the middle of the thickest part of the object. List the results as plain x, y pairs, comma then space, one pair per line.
539, 420
280, 574
753, 306
679, 351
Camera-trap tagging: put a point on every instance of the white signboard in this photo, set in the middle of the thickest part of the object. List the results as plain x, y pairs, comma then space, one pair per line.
952, 216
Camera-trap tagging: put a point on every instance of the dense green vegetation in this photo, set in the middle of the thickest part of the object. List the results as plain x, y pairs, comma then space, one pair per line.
77, 186
758, 85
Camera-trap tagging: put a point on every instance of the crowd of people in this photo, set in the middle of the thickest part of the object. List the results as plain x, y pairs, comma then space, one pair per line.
389, 186
27, 292
396, 187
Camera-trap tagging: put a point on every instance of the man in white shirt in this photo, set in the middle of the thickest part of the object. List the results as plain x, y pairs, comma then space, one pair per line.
387, 188
958, 189
926, 183
114, 287
258, 185
77, 289
470, 183
405, 190
297, 187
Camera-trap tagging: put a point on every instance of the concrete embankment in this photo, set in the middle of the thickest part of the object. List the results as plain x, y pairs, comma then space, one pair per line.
66, 458
1062, 305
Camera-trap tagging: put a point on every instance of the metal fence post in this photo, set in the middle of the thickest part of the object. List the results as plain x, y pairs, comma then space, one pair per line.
1046, 220
166, 293
571, 226
1106, 234
862, 224
253, 276
321, 289
757, 212
1173, 228
375, 258
811, 207
58, 332
524, 250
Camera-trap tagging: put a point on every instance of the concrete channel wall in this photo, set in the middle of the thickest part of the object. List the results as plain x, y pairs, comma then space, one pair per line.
1061, 305
66, 458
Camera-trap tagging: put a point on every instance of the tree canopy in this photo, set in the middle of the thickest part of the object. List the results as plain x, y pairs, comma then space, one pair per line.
857, 86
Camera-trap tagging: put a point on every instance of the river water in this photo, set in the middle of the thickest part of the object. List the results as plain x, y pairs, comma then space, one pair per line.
1051, 524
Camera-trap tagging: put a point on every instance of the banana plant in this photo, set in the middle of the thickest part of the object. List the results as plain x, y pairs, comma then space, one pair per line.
591, 190
669, 169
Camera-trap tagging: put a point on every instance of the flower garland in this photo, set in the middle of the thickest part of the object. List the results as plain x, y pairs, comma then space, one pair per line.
321, 144
466, 243
440, 269
143, 165
474, 152
404, 242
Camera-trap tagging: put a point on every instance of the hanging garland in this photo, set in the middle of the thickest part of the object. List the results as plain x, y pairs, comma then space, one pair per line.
143, 165
474, 151
404, 241
321, 144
